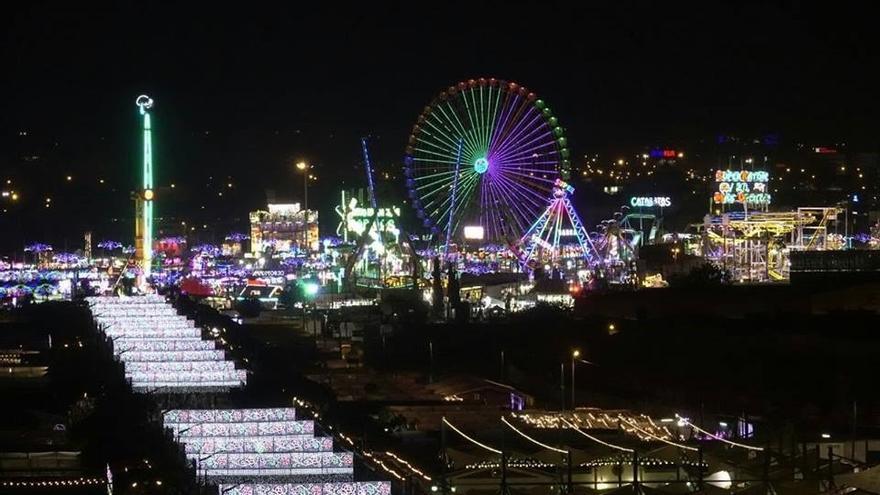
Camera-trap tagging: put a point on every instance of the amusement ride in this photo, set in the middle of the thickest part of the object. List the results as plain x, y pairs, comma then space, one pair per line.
487, 162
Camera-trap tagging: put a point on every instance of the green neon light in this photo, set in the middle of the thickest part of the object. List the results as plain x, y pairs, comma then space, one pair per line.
144, 103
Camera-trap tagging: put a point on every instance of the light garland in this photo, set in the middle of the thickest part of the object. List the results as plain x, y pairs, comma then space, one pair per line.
669, 442
367, 455
600, 420
378, 462
408, 466
490, 449
647, 462
582, 432
548, 447
65, 482
511, 463
716, 437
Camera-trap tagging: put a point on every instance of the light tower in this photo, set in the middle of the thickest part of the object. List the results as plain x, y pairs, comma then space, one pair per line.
144, 198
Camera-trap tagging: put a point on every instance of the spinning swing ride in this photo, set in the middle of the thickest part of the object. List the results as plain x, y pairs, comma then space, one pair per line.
487, 160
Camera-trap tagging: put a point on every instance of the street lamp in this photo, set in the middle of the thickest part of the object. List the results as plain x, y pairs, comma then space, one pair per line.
575, 358
304, 167
574, 355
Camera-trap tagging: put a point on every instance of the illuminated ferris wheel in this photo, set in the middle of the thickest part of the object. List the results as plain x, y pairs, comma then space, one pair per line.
484, 154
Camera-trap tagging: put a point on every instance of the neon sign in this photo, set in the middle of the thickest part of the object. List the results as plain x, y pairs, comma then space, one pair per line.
742, 186
650, 202
665, 153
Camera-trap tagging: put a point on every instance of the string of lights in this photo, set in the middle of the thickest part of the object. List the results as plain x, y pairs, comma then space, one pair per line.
66, 482
664, 440
511, 463
716, 437
536, 442
582, 432
368, 455
490, 449
408, 465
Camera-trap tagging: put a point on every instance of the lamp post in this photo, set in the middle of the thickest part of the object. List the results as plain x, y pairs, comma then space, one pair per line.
303, 167
574, 355
575, 358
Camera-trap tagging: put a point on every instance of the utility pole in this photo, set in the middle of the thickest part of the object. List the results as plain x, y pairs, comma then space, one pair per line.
562, 383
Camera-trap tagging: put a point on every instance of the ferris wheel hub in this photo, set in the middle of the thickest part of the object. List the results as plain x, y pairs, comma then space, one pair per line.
481, 165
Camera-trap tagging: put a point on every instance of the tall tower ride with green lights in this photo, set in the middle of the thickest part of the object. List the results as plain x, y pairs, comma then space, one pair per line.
144, 198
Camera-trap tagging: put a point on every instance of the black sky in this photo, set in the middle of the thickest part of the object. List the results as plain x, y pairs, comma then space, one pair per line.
245, 88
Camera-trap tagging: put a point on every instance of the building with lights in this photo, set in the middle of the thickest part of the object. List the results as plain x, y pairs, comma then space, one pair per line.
284, 228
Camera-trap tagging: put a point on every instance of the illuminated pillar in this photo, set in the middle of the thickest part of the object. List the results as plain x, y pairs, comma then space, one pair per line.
145, 217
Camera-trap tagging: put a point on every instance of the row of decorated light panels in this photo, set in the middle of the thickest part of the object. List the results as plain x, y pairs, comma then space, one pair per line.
253, 443
161, 349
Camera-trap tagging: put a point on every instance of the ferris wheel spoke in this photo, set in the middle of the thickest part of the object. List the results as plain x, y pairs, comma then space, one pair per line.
517, 118
448, 136
473, 119
501, 122
450, 144
528, 125
545, 183
516, 195
523, 191
493, 119
444, 204
510, 121
538, 189
436, 174
447, 158
471, 146
529, 144
531, 157
492, 201
467, 196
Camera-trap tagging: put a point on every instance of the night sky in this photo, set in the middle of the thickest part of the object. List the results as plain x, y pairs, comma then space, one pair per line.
245, 91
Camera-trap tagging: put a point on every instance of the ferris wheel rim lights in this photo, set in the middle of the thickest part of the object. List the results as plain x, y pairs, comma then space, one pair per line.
513, 150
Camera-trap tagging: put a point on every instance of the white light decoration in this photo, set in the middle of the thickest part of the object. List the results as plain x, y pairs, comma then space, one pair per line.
473, 232
228, 415
275, 443
253, 428
171, 356
172, 367
275, 464
163, 351
124, 344
165, 333
195, 377
350, 488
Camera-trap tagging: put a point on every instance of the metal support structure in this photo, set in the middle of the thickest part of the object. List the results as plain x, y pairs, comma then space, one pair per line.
451, 220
